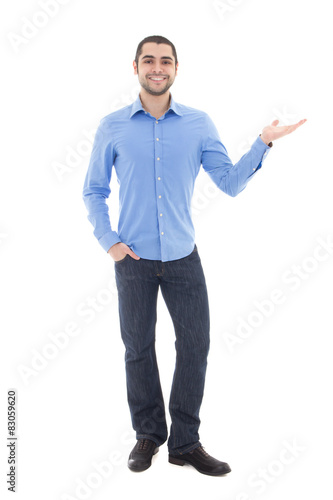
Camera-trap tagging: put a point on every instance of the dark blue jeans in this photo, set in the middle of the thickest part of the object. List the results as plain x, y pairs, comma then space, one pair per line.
184, 291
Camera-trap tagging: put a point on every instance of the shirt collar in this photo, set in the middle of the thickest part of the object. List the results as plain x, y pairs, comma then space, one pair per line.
137, 106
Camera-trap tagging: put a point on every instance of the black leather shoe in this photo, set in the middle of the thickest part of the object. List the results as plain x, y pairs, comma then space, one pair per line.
203, 462
141, 456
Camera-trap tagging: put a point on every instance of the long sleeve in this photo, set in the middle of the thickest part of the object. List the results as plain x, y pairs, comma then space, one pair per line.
96, 187
230, 178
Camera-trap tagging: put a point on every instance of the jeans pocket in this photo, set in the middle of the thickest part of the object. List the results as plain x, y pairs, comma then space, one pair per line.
121, 260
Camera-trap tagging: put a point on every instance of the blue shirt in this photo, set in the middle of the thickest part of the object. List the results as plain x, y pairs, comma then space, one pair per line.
156, 163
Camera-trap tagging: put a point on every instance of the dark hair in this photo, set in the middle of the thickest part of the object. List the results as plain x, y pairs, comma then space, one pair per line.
155, 39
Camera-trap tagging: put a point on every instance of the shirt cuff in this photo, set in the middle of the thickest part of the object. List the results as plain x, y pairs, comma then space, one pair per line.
108, 240
261, 145
260, 150
270, 144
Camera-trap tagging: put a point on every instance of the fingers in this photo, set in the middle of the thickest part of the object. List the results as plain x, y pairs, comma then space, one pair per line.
133, 255
126, 249
299, 123
291, 128
275, 123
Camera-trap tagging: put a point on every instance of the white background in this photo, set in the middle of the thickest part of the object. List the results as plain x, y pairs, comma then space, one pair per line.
245, 63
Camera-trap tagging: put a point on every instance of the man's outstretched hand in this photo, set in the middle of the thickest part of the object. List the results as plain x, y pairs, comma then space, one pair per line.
273, 132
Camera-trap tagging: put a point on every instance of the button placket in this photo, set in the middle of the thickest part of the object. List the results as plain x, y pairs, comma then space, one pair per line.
159, 175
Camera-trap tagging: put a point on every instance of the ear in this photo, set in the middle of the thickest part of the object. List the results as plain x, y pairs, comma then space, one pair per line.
177, 68
135, 68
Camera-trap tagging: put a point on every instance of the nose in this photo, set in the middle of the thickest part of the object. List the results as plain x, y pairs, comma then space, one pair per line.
157, 68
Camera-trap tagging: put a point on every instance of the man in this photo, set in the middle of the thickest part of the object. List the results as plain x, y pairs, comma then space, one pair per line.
156, 147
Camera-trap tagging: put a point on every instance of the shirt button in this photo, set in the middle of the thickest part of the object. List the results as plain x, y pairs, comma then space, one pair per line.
156, 121
159, 178
162, 232
161, 215
253, 169
157, 138
160, 196
158, 159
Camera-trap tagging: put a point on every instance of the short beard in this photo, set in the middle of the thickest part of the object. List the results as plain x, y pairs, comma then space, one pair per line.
156, 92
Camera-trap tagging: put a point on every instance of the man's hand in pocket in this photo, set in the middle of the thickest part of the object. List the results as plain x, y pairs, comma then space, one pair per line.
119, 250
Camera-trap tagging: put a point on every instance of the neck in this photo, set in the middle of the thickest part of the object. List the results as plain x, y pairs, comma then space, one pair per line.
156, 105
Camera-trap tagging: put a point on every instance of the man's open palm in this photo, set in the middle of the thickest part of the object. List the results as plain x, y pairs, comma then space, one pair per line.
273, 132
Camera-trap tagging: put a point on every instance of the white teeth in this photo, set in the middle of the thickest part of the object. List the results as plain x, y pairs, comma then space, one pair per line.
157, 79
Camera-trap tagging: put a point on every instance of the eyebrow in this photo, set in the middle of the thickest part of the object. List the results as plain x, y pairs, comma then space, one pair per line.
153, 57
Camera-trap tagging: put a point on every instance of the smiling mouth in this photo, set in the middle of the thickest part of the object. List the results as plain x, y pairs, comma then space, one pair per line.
157, 79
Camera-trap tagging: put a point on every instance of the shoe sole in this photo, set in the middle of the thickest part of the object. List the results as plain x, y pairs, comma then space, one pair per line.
141, 469
179, 461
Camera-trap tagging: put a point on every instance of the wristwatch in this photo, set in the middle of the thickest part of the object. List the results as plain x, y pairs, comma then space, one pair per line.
270, 144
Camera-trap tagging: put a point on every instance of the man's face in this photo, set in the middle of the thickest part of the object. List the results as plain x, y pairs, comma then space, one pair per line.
156, 68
